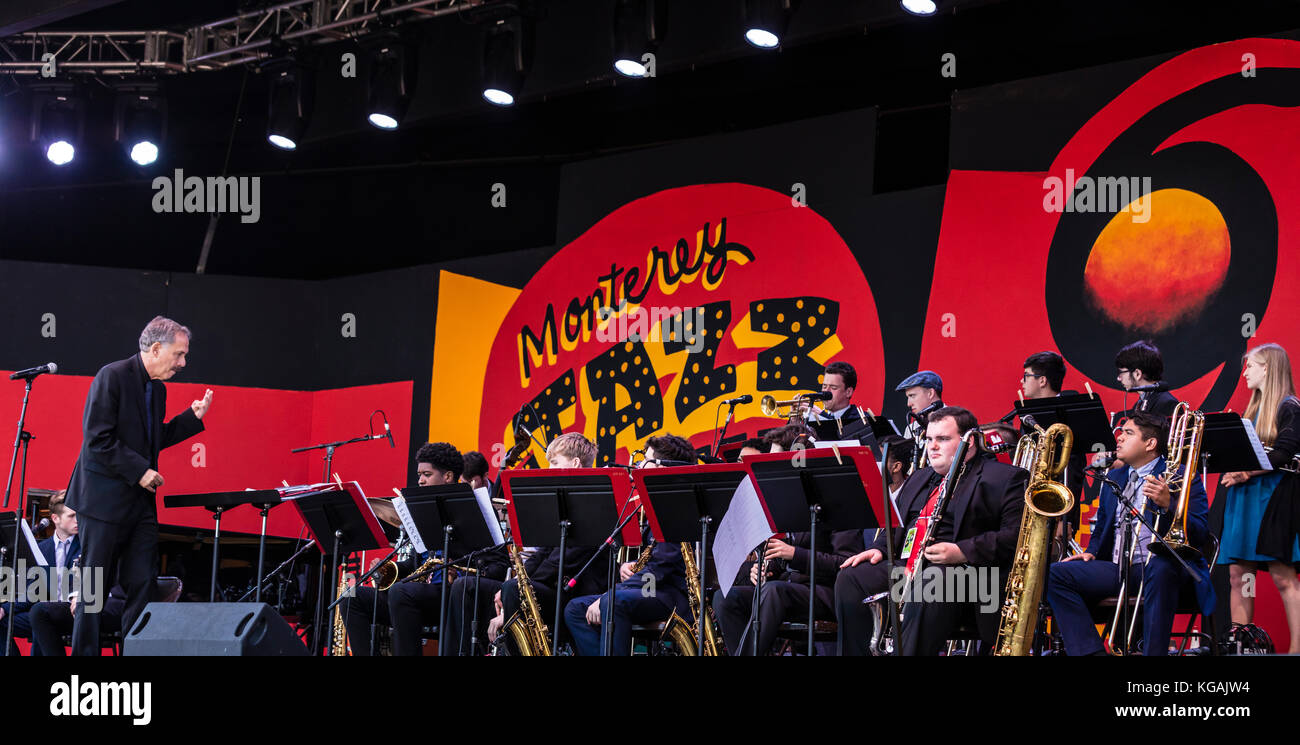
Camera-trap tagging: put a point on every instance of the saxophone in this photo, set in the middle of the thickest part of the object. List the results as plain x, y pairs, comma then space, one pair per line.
339, 637
1044, 454
526, 626
682, 633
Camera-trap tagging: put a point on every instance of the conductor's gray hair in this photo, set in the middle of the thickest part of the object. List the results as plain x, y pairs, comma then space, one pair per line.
161, 329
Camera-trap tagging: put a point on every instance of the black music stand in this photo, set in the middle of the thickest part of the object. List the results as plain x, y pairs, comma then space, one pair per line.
10, 535
1084, 414
822, 486
1226, 446
219, 502
452, 511
341, 522
682, 502
559, 507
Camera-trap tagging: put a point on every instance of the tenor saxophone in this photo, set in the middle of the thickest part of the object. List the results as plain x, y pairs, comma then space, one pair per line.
1046, 498
677, 629
526, 626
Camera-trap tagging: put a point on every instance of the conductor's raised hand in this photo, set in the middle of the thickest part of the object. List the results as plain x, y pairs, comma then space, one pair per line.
200, 406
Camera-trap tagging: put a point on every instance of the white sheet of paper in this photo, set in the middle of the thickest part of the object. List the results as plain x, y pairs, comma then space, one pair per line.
489, 515
399, 503
1264, 464
31, 542
837, 443
742, 528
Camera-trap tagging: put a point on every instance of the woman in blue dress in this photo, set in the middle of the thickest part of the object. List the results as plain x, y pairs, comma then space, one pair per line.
1258, 524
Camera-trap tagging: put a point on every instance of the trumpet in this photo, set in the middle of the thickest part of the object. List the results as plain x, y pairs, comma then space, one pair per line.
1293, 466
771, 407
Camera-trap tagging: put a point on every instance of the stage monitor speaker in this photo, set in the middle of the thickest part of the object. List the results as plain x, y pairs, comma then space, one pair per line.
211, 630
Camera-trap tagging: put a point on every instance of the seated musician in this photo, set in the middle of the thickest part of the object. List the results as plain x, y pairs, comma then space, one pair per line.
60, 550
787, 438
752, 446
979, 528
476, 470
924, 392
1077, 584
646, 597
785, 594
569, 450
405, 606
52, 621
840, 380
1140, 365
1043, 376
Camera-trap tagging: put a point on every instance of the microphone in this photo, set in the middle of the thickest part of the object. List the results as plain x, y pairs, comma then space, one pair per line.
42, 525
1146, 388
389, 431
666, 462
32, 372
922, 415
817, 396
739, 400
1029, 421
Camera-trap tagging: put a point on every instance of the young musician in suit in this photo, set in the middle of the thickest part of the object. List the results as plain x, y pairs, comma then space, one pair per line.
785, 593
406, 606
924, 392
1262, 512
1140, 365
979, 528
647, 597
476, 470
569, 450
114, 483
1043, 377
840, 380
1075, 585
60, 550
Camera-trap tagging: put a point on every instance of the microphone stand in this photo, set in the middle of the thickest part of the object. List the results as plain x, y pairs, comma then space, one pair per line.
277, 570
722, 435
606, 624
20, 439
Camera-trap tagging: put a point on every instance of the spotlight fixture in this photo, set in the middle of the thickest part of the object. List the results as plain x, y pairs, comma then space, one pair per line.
139, 123
507, 54
58, 122
920, 7
391, 86
292, 89
638, 29
765, 22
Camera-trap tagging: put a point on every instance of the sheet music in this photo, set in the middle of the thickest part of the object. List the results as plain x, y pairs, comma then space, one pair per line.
31, 542
484, 500
742, 528
1264, 464
837, 443
399, 503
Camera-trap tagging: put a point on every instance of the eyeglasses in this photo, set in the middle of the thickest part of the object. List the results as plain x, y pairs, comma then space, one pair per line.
1123, 371
1027, 376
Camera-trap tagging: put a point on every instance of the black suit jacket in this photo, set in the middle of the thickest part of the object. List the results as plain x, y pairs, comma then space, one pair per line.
116, 449
843, 544
74, 550
543, 566
985, 510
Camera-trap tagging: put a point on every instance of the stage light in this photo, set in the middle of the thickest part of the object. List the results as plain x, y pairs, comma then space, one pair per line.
765, 22
638, 28
139, 121
58, 120
391, 86
920, 7
507, 53
60, 153
292, 88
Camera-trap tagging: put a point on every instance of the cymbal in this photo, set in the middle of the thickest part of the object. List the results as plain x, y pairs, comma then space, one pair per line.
385, 511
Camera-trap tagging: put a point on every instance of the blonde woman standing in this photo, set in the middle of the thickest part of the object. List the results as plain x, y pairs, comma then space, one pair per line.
1259, 523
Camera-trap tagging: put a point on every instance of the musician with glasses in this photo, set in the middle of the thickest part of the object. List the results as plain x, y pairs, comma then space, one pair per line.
977, 530
1044, 374
1076, 585
1140, 365
646, 597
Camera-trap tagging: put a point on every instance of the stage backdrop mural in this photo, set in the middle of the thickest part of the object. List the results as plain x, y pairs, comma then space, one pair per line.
1166, 212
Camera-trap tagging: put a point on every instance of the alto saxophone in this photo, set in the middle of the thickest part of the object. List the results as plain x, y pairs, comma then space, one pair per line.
678, 630
526, 626
1044, 454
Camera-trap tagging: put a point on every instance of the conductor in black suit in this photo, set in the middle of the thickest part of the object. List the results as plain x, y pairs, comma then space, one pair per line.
116, 477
